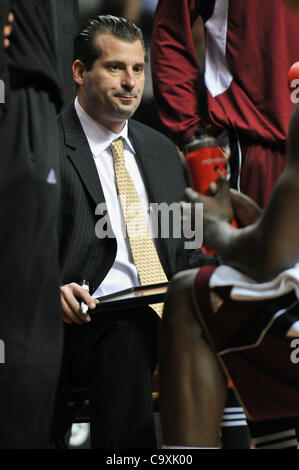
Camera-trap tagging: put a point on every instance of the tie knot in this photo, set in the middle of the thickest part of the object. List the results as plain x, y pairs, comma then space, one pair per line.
117, 147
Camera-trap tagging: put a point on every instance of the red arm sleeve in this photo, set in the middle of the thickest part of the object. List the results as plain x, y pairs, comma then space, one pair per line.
175, 70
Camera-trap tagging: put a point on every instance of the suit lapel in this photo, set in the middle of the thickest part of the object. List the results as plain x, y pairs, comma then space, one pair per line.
78, 151
148, 164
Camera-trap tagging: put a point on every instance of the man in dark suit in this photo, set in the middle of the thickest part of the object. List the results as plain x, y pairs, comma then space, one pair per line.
113, 352
30, 308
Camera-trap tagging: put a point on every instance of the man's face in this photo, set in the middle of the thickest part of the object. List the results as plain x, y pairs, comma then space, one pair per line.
112, 90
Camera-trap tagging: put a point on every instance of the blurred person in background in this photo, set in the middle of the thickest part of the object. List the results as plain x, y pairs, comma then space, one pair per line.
30, 308
223, 64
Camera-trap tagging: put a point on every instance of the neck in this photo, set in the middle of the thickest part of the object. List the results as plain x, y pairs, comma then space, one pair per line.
114, 126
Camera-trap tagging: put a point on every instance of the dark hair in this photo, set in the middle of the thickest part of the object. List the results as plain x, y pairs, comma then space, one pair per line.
85, 47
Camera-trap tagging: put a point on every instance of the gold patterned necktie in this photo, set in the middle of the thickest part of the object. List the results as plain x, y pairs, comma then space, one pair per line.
144, 253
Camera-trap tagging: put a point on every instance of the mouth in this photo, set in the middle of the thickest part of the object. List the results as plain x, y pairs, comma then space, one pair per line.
127, 99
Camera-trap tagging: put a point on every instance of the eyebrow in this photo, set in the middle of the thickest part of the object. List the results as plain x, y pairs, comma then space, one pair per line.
120, 62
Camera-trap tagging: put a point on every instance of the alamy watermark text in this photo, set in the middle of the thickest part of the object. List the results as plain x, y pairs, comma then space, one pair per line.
294, 85
295, 352
2, 352
2, 92
165, 221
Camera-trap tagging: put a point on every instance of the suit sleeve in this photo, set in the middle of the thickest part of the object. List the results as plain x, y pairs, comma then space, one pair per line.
175, 70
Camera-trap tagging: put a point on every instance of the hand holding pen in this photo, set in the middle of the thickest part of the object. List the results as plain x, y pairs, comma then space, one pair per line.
76, 301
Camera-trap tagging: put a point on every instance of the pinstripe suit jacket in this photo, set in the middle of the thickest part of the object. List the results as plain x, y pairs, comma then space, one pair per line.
82, 254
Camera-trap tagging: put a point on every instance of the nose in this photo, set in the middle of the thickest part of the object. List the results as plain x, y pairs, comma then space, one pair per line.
128, 80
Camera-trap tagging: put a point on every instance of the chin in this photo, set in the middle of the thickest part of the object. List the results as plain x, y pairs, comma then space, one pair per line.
126, 113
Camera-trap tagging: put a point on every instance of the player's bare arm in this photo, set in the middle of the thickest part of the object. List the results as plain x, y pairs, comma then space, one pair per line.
271, 244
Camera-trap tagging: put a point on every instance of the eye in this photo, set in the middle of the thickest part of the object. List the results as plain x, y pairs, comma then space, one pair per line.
115, 67
139, 68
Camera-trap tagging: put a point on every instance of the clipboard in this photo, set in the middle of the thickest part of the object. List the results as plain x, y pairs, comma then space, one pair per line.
132, 297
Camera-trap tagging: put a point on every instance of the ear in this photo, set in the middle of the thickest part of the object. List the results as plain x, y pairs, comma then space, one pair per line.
78, 71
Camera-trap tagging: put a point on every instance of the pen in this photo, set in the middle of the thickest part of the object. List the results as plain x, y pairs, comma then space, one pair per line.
83, 306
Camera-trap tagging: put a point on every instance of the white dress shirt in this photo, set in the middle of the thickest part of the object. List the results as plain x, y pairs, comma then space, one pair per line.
123, 273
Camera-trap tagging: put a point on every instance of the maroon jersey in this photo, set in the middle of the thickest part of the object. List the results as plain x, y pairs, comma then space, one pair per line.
250, 48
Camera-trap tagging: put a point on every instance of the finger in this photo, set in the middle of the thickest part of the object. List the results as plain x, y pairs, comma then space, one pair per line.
11, 17
222, 189
6, 42
74, 309
69, 313
79, 308
84, 309
213, 187
83, 294
70, 299
191, 195
67, 320
7, 30
88, 300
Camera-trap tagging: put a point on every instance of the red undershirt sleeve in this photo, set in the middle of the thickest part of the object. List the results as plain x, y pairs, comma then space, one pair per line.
175, 69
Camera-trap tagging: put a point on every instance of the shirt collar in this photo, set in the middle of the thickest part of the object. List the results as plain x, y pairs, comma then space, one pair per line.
98, 136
